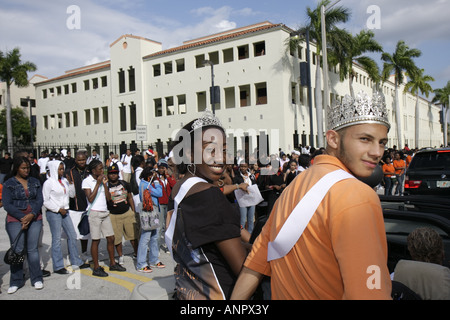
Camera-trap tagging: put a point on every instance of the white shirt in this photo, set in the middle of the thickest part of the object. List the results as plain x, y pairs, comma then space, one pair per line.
42, 163
127, 159
56, 196
100, 203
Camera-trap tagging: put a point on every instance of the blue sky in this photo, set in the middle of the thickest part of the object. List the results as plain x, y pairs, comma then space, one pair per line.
39, 27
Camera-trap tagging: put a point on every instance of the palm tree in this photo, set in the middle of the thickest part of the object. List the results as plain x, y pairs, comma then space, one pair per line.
398, 62
333, 16
419, 82
352, 51
442, 96
13, 70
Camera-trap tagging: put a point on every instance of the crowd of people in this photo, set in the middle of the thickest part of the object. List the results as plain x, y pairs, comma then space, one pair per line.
193, 212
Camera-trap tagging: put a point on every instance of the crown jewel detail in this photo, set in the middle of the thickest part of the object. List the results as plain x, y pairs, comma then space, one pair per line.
361, 109
207, 119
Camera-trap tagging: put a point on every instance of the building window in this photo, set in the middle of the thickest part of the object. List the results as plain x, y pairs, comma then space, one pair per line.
60, 124
105, 114
44, 94
87, 117
86, 85
45, 122
131, 79
201, 101
58, 91
121, 80
158, 107
228, 55
67, 118
66, 89
123, 117
261, 93
199, 61
75, 118
180, 65
230, 98
244, 95
133, 116
259, 48
104, 80
52, 124
170, 108
168, 67
156, 70
243, 52
95, 83
96, 115
214, 57
181, 104
74, 87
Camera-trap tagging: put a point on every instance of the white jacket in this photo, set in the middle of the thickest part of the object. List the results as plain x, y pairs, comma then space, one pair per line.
56, 192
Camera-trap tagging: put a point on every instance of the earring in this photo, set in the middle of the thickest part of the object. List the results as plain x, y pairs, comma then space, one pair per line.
190, 170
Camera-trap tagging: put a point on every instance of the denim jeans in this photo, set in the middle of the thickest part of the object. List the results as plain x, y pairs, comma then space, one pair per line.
34, 265
162, 221
399, 187
248, 215
388, 186
148, 239
56, 221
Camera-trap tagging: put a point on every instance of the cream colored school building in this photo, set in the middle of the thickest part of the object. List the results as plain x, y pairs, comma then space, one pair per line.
260, 93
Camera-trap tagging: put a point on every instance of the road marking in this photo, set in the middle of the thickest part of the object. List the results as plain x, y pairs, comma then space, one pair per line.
123, 283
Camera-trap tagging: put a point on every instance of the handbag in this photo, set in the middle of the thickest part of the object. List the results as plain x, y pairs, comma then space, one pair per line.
12, 257
83, 225
149, 220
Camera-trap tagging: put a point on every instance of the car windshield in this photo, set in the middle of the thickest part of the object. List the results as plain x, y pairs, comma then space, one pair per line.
431, 160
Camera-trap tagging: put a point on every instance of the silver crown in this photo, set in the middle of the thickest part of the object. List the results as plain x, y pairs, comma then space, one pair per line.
361, 109
207, 119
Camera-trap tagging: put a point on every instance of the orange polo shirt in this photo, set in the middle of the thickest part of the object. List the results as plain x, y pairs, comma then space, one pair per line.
342, 254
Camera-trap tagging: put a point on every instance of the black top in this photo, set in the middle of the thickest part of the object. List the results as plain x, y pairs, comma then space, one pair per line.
119, 197
203, 219
79, 203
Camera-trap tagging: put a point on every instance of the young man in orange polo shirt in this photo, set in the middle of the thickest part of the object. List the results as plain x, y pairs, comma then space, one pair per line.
342, 252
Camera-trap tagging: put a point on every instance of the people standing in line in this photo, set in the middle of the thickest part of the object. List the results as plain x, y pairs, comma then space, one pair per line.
148, 241
167, 183
78, 202
22, 201
400, 166
56, 200
121, 206
5, 166
126, 162
95, 189
344, 242
204, 233
291, 173
247, 213
389, 175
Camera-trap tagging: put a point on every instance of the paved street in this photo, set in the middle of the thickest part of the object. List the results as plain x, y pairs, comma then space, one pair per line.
80, 284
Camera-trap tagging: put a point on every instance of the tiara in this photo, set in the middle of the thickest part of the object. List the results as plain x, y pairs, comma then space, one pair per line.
207, 119
361, 109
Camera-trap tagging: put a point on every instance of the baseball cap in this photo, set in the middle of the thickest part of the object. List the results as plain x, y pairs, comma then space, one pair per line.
113, 168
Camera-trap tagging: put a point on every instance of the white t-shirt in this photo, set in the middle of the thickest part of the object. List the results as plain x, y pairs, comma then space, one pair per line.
100, 203
127, 159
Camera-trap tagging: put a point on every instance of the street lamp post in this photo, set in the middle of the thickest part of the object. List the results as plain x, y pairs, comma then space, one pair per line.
213, 97
326, 93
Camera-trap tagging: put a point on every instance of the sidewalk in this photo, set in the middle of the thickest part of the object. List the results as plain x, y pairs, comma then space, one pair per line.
81, 285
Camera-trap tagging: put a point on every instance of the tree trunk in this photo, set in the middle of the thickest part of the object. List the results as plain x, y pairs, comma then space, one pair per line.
417, 121
350, 85
319, 106
9, 134
398, 118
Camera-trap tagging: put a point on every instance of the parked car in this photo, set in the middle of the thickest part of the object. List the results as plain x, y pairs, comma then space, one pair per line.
429, 173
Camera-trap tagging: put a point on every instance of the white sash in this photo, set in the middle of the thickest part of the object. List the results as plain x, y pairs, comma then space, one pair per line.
185, 187
297, 221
